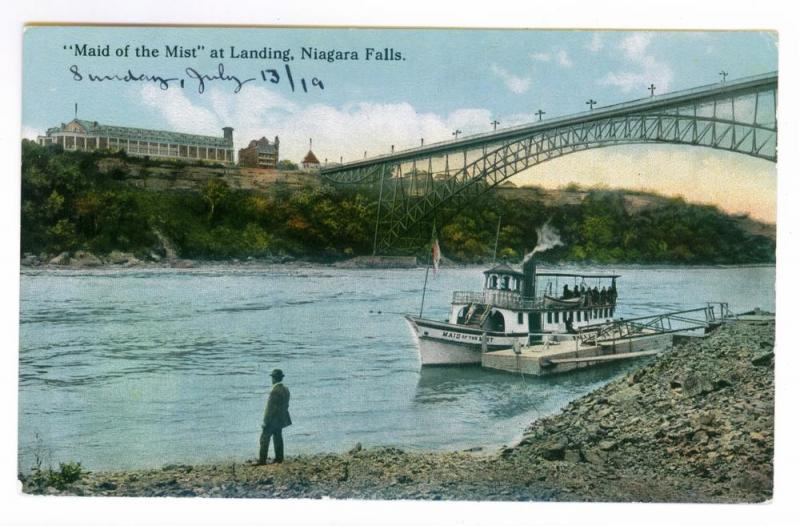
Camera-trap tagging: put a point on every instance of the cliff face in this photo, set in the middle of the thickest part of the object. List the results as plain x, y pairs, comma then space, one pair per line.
99, 203
694, 425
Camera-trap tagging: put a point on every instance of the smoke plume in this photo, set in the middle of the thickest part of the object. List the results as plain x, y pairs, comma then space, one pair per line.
547, 237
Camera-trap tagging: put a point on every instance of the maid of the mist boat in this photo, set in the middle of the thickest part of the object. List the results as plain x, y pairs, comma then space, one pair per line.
514, 306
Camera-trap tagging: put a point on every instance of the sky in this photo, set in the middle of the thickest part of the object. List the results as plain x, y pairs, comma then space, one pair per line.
442, 80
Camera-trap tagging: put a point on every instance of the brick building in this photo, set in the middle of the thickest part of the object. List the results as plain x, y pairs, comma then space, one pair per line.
260, 154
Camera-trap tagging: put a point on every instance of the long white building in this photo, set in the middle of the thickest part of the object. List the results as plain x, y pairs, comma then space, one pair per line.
79, 134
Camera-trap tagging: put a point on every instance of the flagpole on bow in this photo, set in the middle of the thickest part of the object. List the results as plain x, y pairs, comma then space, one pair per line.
434, 262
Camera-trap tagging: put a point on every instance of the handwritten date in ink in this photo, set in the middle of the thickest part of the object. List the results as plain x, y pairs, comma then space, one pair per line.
272, 75
200, 79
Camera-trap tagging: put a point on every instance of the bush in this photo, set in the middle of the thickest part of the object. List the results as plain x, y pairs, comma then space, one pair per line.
67, 473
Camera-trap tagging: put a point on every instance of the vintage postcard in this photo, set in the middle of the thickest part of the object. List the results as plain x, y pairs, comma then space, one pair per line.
412, 263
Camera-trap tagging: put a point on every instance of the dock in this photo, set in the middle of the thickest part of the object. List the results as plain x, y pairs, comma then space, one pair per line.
559, 357
608, 342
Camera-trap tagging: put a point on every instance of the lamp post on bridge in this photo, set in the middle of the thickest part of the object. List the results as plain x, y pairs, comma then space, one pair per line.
652, 89
494, 124
422, 141
591, 103
540, 113
724, 75
456, 133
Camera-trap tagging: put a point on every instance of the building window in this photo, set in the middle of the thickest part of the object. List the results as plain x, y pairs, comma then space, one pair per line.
549, 317
557, 317
520, 318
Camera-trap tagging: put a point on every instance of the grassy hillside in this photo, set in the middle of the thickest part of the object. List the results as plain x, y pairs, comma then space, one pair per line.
76, 200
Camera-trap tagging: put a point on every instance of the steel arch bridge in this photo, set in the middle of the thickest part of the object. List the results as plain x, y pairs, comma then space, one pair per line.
413, 185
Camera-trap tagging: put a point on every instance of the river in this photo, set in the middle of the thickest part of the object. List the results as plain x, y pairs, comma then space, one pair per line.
137, 368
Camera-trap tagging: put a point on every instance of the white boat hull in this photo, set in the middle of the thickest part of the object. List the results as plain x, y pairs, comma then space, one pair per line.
448, 344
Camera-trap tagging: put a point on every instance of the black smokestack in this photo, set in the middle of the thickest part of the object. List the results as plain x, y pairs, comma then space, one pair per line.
528, 280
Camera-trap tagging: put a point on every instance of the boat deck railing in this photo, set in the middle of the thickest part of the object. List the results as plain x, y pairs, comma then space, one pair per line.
505, 299
511, 299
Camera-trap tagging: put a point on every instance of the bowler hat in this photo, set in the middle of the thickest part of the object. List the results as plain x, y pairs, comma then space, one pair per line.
276, 373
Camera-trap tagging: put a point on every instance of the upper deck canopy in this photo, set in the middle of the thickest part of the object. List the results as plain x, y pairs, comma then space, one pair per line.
571, 275
504, 269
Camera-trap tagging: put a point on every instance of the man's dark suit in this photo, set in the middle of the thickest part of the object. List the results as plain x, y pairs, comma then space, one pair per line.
276, 417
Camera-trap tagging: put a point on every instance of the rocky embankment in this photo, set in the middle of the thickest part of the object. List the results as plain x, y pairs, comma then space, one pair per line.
81, 259
693, 425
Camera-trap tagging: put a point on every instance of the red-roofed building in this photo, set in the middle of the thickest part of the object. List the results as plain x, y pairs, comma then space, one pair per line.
310, 161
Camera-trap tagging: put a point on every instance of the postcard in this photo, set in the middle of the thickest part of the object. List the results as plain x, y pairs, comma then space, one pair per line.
398, 264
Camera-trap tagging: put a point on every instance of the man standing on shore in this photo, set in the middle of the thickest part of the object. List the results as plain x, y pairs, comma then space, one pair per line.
276, 417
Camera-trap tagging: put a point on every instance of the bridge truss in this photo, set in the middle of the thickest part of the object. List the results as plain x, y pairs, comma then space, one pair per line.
414, 185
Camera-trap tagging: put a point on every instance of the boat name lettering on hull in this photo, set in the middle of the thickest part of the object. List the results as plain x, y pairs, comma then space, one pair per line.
461, 336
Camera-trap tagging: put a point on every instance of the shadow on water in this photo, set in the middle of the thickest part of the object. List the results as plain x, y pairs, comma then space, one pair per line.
445, 378
503, 395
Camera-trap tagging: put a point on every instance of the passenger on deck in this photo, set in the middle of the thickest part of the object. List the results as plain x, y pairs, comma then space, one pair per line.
603, 296
576, 293
595, 296
567, 293
612, 295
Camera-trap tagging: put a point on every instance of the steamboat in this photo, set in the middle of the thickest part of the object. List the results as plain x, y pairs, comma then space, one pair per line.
515, 307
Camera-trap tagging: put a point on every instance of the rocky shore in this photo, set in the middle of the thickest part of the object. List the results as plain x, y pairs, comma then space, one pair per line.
81, 259
693, 425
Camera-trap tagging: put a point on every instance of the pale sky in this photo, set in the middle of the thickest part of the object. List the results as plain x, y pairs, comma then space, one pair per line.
446, 80
734, 182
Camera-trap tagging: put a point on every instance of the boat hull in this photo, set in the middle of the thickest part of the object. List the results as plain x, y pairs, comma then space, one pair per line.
448, 344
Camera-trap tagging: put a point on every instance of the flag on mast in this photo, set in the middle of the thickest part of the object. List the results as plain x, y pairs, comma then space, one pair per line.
436, 253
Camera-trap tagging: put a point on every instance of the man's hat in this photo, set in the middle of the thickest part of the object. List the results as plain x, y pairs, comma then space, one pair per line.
276, 373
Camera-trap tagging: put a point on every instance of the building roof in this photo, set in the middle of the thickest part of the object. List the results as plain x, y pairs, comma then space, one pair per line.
310, 158
142, 134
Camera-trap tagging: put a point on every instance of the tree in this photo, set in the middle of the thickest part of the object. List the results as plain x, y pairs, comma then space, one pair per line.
215, 192
286, 165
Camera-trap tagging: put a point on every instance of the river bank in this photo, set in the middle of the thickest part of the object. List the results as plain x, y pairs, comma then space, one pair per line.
120, 260
693, 425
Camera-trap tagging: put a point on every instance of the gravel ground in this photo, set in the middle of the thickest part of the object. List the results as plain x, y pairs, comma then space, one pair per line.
693, 425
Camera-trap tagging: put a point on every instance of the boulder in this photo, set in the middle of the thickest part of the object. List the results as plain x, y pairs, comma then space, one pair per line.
572, 455
61, 259
607, 445
85, 259
554, 450
694, 385
182, 263
117, 257
763, 359
29, 260
594, 457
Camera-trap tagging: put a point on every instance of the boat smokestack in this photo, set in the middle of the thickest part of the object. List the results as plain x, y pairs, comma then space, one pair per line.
528, 277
